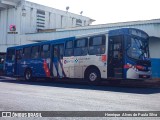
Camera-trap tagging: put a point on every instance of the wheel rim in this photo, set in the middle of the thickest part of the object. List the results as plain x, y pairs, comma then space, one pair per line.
28, 75
93, 76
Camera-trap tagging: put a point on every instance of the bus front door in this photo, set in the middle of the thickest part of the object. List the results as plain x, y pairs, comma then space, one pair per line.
57, 61
115, 57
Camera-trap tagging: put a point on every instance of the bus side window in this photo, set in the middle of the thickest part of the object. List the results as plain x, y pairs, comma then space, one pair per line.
19, 54
11, 54
97, 45
80, 47
45, 51
35, 52
69, 48
27, 53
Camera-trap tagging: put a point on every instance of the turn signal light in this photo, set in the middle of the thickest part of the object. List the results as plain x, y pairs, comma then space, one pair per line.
127, 66
139, 67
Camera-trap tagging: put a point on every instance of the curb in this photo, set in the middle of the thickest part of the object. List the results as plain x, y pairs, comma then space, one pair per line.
4, 77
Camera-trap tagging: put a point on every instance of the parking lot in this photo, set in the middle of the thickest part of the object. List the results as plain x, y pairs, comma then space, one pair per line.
19, 95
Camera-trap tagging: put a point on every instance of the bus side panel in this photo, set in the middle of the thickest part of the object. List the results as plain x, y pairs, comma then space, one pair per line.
75, 66
18, 68
44, 67
39, 67
9, 68
24, 65
155, 67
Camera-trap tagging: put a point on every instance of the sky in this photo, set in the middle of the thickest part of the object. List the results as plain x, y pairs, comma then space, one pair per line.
109, 11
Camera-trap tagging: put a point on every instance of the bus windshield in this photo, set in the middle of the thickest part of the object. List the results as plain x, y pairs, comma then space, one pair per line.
138, 49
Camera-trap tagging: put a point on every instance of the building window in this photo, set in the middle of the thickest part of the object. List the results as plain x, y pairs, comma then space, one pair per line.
40, 20
78, 22
62, 21
84, 23
72, 21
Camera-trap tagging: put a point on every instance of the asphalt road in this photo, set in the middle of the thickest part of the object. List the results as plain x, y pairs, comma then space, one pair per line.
16, 95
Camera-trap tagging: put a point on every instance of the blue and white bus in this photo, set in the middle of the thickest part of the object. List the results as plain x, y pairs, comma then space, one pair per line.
112, 55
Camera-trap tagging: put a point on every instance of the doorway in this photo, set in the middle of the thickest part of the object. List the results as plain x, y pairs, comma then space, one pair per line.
57, 61
115, 57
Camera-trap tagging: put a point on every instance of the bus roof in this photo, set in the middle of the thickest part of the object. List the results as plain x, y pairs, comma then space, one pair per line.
110, 32
44, 42
92, 34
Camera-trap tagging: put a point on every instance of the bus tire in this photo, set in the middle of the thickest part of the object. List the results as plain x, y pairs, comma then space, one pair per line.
93, 76
28, 75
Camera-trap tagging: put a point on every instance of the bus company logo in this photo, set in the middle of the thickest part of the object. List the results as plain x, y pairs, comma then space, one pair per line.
9, 64
24, 62
12, 27
76, 60
66, 61
6, 114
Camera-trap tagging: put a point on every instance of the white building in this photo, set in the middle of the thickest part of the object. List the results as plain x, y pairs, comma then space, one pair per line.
20, 17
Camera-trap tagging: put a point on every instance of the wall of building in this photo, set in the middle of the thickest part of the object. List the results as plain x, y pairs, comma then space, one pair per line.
155, 47
151, 29
30, 17
7, 18
155, 56
53, 18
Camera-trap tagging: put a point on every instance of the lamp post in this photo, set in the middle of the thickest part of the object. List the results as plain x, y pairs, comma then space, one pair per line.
81, 12
67, 8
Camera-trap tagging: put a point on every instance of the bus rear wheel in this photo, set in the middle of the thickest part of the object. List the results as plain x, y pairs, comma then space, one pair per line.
28, 75
93, 76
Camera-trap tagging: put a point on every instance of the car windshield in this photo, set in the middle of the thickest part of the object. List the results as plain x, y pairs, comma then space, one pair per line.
138, 49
